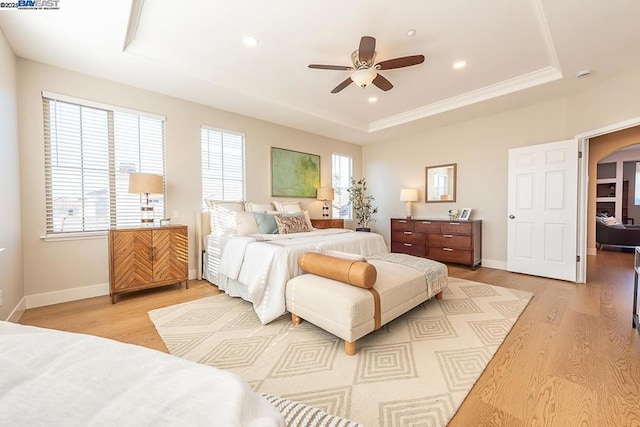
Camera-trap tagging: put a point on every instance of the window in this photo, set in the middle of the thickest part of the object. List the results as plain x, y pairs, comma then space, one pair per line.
90, 149
342, 170
222, 165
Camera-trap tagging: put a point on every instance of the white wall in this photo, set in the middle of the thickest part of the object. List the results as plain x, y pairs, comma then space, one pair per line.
11, 278
480, 148
62, 266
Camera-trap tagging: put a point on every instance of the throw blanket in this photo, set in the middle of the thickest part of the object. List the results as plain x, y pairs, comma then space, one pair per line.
435, 273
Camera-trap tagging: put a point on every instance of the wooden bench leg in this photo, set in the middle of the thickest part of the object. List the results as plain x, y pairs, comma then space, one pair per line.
295, 319
439, 295
350, 348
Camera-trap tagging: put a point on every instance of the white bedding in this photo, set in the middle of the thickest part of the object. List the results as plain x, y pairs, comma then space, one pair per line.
58, 378
257, 267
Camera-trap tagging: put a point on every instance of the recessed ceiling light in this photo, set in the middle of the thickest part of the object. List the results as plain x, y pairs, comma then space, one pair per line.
250, 41
372, 99
411, 33
459, 64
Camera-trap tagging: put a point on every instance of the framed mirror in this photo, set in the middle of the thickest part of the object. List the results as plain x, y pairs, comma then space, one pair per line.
440, 183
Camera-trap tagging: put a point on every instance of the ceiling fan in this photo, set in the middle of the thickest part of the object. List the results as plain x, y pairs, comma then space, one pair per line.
366, 71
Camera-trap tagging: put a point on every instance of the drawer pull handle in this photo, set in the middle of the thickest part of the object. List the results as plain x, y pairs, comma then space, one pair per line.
426, 222
447, 235
454, 223
447, 249
402, 221
408, 244
407, 232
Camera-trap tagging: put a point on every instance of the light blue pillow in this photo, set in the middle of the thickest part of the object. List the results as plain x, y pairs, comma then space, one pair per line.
266, 223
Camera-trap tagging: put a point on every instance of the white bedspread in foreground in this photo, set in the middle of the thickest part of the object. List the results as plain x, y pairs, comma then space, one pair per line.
265, 262
58, 378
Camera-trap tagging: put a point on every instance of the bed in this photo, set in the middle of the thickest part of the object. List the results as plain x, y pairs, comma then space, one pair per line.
256, 266
50, 377
56, 378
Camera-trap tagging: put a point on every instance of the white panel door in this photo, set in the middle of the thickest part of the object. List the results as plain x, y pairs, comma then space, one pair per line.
543, 210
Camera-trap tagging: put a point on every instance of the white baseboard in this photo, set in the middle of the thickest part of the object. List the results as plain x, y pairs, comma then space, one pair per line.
66, 295
492, 263
16, 314
592, 251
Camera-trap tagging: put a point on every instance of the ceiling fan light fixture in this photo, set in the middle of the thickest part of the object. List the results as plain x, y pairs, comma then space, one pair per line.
364, 76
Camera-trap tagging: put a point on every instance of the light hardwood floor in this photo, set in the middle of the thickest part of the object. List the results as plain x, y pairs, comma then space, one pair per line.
572, 359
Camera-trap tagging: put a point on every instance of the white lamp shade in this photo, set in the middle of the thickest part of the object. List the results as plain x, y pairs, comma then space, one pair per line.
325, 193
409, 195
145, 183
364, 77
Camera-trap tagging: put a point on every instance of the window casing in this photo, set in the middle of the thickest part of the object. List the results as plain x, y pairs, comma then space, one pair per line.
341, 171
90, 149
223, 169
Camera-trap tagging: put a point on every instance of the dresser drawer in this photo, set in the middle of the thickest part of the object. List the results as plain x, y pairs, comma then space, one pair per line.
408, 236
447, 254
455, 228
401, 225
416, 249
450, 241
427, 226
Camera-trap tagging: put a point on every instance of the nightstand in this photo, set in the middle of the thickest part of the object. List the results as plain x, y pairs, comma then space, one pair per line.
146, 257
327, 223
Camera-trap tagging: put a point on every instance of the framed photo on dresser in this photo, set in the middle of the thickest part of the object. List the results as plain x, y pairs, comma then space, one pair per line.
465, 213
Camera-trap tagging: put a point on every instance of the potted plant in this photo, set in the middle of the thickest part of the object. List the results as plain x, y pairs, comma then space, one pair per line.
362, 204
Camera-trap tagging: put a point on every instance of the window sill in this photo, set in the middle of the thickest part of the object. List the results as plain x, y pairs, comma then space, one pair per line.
89, 235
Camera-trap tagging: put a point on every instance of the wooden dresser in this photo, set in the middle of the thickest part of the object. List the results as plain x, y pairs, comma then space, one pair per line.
327, 223
439, 239
147, 257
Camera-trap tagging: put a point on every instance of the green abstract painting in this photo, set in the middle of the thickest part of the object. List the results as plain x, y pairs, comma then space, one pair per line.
294, 174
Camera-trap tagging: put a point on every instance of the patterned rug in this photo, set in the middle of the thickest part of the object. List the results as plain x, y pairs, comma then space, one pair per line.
416, 370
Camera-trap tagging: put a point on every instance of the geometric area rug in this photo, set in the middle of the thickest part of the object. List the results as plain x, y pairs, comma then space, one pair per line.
415, 370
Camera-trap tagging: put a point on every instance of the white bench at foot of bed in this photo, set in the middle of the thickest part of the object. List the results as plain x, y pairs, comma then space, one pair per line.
349, 312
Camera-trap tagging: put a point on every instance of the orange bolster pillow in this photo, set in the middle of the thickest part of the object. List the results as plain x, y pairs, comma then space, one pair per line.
356, 273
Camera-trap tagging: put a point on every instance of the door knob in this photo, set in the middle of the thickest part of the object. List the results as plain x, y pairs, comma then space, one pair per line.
511, 216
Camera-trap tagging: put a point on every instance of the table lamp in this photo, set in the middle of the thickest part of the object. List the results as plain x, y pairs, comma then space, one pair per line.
409, 195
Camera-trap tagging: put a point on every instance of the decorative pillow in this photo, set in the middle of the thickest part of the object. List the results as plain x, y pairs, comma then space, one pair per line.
610, 221
266, 223
347, 256
291, 224
258, 206
308, 219
288, 206
354, 273
246, 223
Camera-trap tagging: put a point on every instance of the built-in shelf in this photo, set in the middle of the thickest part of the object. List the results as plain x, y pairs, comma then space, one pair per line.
606, 199
606, 181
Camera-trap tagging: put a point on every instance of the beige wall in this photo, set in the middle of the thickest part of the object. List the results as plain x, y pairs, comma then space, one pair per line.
58, 266
11, 279
480, 148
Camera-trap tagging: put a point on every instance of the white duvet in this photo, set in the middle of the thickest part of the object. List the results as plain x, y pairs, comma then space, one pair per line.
53, 378
263, 263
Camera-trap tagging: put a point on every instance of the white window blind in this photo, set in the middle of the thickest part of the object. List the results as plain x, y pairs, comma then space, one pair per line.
342, 171
223, 176
89, 153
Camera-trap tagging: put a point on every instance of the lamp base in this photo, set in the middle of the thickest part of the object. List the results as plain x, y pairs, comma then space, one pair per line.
146, 215
325, 210
408, 210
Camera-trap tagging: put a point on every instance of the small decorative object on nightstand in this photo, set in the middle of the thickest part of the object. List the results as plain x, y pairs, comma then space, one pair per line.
324, 194
327, 223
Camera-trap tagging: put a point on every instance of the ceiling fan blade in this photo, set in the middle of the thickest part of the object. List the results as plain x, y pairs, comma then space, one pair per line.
331, 67
367, 49
342, 85
382, 83
405, 61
